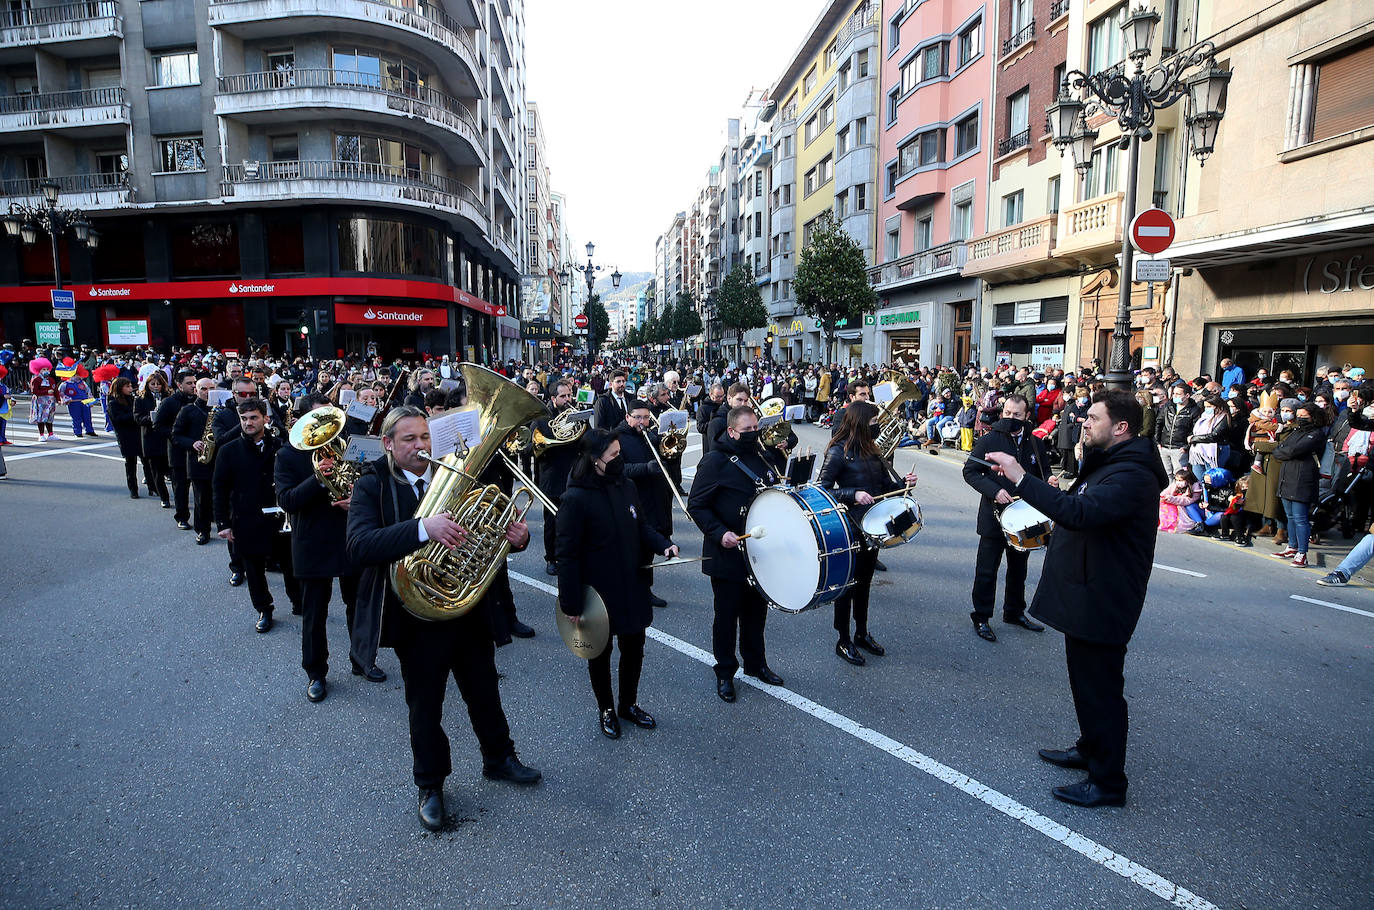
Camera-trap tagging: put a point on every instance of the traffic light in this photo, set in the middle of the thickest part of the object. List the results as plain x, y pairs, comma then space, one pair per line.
305, 331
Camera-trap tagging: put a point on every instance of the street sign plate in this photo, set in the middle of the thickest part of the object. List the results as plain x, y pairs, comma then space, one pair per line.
1152, 270
48, 332
1152, 231
63, 304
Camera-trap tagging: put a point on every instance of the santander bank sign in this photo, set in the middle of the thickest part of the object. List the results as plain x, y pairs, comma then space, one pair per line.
375, 314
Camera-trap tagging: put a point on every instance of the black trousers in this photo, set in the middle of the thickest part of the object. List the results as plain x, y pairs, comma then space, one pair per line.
739, 610
501, 607
631, 664
203, 509
462, 647
181, 488
315, 594
1240, 525
255, 573
989, 560
550, 535
1097, 679
1067, 462
131, 473
155, 470
855, 600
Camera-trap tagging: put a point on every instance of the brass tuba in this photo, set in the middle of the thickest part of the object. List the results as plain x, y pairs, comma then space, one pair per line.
320, 432
435, 582
892, 417
564, 429
207, 451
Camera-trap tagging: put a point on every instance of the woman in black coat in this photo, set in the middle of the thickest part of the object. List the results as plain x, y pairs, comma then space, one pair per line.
1070, 428
1300, 478
120, 410
857, 473
604, 541
156, 467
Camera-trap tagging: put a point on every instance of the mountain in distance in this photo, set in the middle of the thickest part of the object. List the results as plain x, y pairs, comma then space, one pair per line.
631, 283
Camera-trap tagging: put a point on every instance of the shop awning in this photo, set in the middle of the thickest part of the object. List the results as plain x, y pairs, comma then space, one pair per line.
1038, 328
850, 335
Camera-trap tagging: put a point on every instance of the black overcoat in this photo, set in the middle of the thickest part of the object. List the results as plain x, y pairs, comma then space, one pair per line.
319, 530
186, 432
125, 427
242, 489
1030, 454
720, 498
655, 496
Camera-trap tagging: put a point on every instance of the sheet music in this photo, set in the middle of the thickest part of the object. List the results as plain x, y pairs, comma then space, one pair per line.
884, 392
767, 390
220, 396
363, 449
347, 397
672, 420
767, 422
448, 385
693, 390
364, 412
455, 429
794, 412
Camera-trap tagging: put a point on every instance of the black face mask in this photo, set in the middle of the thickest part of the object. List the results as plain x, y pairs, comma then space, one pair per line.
1302, 421
749, 438
615, 467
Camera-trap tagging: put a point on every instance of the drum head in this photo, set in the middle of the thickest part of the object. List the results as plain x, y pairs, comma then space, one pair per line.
1026, 527
875, 521
785, 562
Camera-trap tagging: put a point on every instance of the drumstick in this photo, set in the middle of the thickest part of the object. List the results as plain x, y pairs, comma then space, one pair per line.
757, 533
986, 464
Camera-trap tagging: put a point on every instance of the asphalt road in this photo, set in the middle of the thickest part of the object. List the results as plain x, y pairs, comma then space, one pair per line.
156, 752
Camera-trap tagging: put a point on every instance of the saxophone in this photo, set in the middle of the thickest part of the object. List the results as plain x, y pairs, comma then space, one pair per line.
207, 452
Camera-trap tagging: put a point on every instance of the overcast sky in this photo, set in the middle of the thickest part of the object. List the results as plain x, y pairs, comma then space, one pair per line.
654, 84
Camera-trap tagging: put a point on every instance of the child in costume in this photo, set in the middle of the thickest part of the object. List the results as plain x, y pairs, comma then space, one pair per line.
43, 388
75, 394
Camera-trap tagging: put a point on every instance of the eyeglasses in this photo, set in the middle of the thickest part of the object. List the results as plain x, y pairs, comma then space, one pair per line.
243, 394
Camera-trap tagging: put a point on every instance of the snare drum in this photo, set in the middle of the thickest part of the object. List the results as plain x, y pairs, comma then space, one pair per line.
807, 556
892, 522
1026, 527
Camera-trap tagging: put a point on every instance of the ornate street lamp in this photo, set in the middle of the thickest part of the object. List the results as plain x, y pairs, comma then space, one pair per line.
589, 272
25, 221
1132, 99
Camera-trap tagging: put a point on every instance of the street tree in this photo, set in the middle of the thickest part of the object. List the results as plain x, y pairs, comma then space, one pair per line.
832, 279
739, 302
686, 320
631, 339
663, 326
598, 323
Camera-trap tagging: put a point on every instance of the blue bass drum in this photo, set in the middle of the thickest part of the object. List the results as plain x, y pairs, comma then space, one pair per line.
801, 547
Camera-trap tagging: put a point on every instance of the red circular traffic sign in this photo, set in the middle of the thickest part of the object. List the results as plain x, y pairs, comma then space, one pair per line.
1152, 231
580, 320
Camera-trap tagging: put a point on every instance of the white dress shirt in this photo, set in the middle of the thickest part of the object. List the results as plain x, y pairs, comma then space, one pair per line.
412, 479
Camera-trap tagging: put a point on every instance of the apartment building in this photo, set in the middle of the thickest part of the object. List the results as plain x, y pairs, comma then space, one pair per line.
258, 165
1278, 228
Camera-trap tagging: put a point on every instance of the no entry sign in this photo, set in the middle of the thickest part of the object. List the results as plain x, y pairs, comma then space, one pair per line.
580, 320
1152, 231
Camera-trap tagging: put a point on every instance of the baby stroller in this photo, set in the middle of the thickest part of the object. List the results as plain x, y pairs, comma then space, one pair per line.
1336, 507
1219, 485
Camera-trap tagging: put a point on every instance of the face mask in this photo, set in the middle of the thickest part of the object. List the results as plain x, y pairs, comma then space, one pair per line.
749, 438
1081, 401
1302, 421
1179, 399
1368, 413
1050, 386
44, 373
1286, 416
1233, 394
1301, 397
1208, 410
1342, 394
615, 467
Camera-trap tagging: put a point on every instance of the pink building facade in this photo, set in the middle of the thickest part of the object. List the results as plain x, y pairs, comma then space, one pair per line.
934, 147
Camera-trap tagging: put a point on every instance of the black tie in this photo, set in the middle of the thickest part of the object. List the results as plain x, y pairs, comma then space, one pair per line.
420, 488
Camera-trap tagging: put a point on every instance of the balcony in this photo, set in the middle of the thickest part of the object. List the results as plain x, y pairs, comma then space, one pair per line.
97, 111
61, 27
423, 26
1020, 251
1090, 232
289, 96
1018, 40
866, 17
1058, 8
1013, 143
943, 261
81, 191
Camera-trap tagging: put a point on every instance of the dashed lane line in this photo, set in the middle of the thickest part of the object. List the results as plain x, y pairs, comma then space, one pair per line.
1188, 572
1103, 856
1327, 603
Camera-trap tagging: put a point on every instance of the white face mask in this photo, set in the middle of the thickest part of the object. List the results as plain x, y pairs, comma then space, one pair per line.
1286, 416
1209, 410
1368, 412
1342, 394
1179, 399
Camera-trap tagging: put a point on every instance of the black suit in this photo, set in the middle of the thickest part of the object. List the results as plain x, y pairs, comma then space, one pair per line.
551, 472
186, 432
155, 464
319, 554
243, 487
380, 532
163, 423
992, 543
721, 494
228, 427
609, 412
705, 417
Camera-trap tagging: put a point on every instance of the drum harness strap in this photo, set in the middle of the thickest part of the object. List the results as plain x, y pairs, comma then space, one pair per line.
758, 481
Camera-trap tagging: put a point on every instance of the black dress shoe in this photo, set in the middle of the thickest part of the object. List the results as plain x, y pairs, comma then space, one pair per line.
264, 623
183, 526
635, 715
847, 651
725, 688
657, 601
297, 610
763, 674
202, 539
510, 769
316, 691
133, 494
1089, 795
1065, 758
375, 674
550, 568
610, 724
984, 630
235, 579
166, 504
432, 808
1024, 622
869, 644
520, 630
879, 567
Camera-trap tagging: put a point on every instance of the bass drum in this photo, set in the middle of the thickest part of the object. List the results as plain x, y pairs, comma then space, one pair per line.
806, 556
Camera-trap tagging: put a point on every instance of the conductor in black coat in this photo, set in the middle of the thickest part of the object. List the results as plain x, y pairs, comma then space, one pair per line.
319, 554
188, 436
243, 487
721, 494
604, 540
553, 466
164, 421
381, 530
1097, 568
1012, 436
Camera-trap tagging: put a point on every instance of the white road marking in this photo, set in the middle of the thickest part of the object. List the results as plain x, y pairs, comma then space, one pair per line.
46, 452
1327, 603
95, 454
1179, 571
1103, 856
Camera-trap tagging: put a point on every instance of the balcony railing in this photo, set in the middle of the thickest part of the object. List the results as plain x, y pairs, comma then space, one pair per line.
1021, 248
60, 22
863, 17
85, 107
1059, 8
412, 185
402, 95
422, 16
1091, 227
1012, 143
1018, 39
69, 184
945, 258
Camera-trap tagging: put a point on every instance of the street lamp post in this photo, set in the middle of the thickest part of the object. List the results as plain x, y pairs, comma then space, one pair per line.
589, 273
25, 221
1132, 94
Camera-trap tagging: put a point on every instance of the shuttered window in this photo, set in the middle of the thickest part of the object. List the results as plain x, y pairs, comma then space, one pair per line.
1345, 98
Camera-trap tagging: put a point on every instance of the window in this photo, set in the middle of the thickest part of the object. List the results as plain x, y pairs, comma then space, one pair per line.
809, 131
787, 146
390, 247
846, 72
359, 66
831, 53
825, 170
892, 174
933, 61
807, 230
925, 233
1052, 196
758, 224
1013, 208
1104, 41
1164, 142
966, 135
181, 68
1100, 177
842, 141
1018, 112
1058, 83
1020, 16
787, 241
970, 43
35, 166
390, 155
1344, 101
758, 186
827, 112
809, 184
861, 131
894, 33
961, 221
861, 69
894, 244
203, 249
809, 83
182, 154
842, 205
892, 99
911, 75
787, 194
105, 163
861, 197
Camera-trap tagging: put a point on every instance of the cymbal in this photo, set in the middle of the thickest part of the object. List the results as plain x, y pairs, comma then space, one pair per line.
587, 638
676, 561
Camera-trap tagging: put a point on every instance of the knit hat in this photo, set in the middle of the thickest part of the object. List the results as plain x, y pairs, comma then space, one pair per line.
1289, 404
